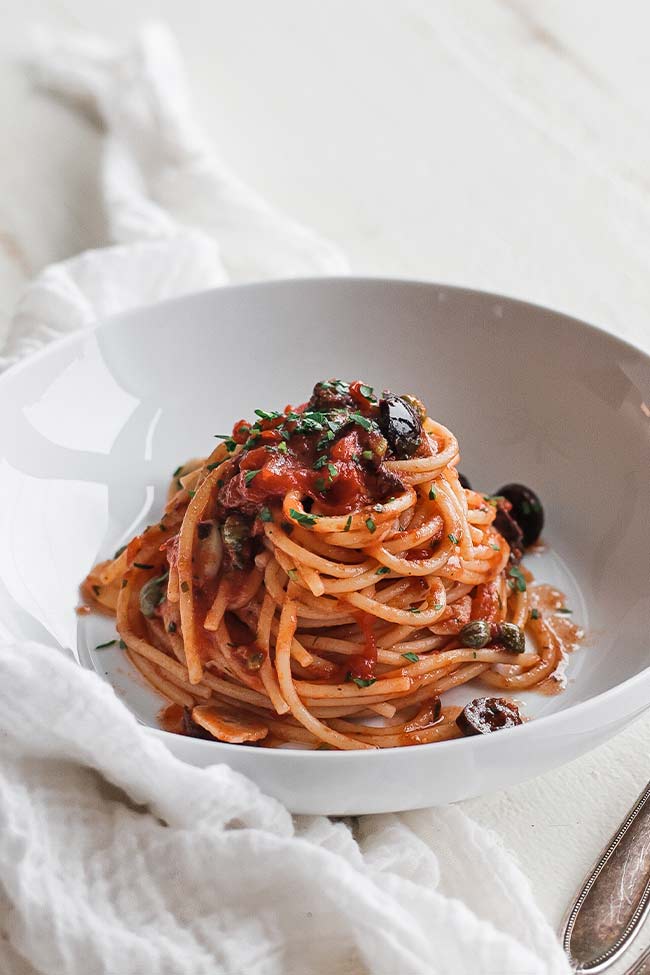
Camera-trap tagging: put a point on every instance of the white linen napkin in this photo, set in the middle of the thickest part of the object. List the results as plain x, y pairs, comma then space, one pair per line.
115, 857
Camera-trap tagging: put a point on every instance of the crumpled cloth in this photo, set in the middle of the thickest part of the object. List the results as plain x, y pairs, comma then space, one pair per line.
115, 857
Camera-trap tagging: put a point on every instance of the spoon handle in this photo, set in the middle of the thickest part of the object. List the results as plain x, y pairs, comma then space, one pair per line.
614, 900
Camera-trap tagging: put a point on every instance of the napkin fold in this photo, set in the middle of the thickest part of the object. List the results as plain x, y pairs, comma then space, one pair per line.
115, 857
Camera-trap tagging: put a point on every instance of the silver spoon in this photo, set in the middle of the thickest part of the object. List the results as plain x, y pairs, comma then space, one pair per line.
614, 900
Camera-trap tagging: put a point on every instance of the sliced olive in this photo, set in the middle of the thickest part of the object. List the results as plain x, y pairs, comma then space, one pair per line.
464, 482
506, 525
475, 634
487, 714
401, 426
527, 510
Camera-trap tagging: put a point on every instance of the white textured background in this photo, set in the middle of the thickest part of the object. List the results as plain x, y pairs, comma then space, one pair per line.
500, 144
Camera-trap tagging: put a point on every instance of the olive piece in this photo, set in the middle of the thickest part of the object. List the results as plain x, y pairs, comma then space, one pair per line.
464, 482
526, 510
487, 714
510, 637
400, 425
506, 525
476, 634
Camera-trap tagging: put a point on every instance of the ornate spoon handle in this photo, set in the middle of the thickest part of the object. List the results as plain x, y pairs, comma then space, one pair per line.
615, 898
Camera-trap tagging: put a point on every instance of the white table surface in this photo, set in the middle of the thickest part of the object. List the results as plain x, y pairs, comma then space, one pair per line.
500, 144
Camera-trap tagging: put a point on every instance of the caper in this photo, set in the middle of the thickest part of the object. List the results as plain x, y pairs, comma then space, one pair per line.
510, 637
475, 634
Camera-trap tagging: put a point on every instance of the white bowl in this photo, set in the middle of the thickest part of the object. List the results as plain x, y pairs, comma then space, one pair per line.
92, 427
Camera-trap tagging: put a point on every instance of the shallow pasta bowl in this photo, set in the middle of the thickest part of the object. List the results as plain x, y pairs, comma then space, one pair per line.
91, 428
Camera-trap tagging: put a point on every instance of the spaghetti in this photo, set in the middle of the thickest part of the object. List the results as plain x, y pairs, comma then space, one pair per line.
322, 578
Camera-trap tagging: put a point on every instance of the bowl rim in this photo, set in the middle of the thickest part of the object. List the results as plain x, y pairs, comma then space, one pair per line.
614, 696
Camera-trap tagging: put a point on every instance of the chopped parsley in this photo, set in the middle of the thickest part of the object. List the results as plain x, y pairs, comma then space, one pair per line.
177, 471
433, 494
495, 547
142, 565
333, 470
534, 614
249, 475
211, 467
362, 681
348, 523
361, 421
102, 646
301, 517
382, 570
320, 462
122, 645
273, 415
438, 607
413, 657
370, 525
320, 484
452, 538
191, 493
493, 498
367, 454
366, 391
414, 609
282, 447
265, 514
517, 578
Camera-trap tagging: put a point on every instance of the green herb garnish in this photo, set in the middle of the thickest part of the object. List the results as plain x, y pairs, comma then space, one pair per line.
363, 681
433, 494
332, 468
122, 645
142, 565
102, 646
249, 475
348, 523
265, 515
211, 467
518, 580
178, 470
370, 525
301, 517
413, 657
534, 614
382, 570
367, 454
452, 538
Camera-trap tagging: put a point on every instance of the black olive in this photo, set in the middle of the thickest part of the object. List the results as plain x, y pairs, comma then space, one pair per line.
506, 525
464, 482
401, 426
487, 714
526, 510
